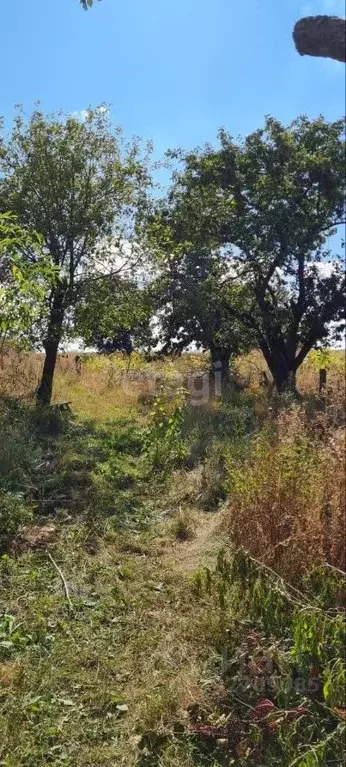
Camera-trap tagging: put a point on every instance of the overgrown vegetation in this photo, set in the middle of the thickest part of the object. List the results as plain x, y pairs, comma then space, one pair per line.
171, 525
283, 673
171, 571
172, 551
287, 497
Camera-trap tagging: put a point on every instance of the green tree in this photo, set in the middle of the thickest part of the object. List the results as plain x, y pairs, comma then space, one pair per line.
272, 201
23, 283
115, 314
195, 301
82, 188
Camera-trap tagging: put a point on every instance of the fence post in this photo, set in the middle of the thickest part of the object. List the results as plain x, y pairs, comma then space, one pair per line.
323, 379
217, 367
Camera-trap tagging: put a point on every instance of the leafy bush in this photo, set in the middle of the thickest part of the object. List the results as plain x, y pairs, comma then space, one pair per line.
163, 445
320, 358
283, 670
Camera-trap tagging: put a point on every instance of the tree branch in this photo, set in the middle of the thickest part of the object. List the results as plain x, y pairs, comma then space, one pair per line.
63, 580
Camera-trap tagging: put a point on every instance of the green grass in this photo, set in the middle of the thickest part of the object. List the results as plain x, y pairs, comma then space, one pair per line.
129, 642
87, 686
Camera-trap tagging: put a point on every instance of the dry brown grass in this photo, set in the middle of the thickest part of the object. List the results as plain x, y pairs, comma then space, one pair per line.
251, 366
287, 500
96, 386
20, 372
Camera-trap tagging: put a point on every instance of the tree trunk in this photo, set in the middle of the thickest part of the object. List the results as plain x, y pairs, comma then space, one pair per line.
321, 36
51, 345
282, 369
284, 379
286, 383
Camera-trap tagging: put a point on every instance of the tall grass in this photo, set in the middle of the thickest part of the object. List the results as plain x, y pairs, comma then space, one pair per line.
286, 498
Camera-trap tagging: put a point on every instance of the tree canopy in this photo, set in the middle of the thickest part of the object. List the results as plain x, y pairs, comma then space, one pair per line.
23, 283
86, 4
194, 300
115, 314
82, 188
270, 203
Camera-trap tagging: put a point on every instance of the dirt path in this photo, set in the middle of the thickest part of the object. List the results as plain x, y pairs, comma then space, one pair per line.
202, 549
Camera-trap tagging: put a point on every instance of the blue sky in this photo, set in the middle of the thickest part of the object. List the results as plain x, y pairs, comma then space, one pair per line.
174, 71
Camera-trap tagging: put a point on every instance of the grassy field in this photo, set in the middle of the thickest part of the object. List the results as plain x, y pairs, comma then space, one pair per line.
171, 578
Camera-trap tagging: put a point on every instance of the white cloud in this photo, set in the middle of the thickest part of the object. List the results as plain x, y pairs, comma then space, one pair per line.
82, 114
76, 346
120, 256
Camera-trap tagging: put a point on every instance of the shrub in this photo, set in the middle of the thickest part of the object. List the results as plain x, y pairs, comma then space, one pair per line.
163, 445
283, 668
